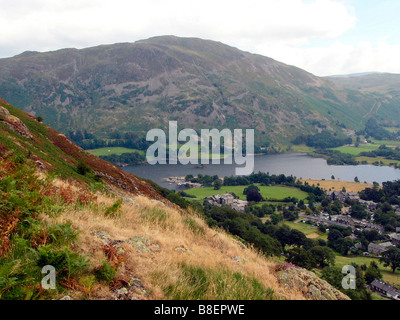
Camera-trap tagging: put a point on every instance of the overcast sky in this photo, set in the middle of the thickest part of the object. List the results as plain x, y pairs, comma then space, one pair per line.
324, 37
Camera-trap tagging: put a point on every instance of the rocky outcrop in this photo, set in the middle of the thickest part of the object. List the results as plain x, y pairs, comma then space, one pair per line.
14, 123
312, 287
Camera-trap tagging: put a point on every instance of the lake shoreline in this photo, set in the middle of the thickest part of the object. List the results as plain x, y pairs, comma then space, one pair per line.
300, 165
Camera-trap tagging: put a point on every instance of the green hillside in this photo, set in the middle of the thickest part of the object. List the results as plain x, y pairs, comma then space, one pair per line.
113, 91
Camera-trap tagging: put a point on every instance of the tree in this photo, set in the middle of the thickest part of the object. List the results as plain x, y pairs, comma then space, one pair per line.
323, 256
334, 235
334, 276
283, 235
276, 218
372, 272
301, 257
254, 195
358, 211
325, 203
250, 188
391, 258
343, 246
82, 168
297, 237
217, 184
301, 205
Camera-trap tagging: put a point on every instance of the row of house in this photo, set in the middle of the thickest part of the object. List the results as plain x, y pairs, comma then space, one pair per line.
342, 196
378, 248
343, 221
385, 289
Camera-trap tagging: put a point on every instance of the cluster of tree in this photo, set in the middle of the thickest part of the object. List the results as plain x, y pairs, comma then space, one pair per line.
391, 258
127, 140
332, 207
125, 158
364, 275
246, 226
261, 178
337, 239
268, 238
205, 180
386, 216
264, 210
386, 196
291, 213
79, 135
383, 151
334, 157
322, 140
388, 193
375, 130
358, 211
314, 257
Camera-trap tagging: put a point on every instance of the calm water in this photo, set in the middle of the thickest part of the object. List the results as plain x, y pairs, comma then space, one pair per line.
297, 164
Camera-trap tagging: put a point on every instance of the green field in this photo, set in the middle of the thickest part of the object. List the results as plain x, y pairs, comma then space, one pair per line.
309, 230
356, 151
389, 143
113, 150
271, 193
392, 129
303, 148
388, 276
370, 160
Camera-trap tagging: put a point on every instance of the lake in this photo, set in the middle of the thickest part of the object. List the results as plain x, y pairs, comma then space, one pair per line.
299, 165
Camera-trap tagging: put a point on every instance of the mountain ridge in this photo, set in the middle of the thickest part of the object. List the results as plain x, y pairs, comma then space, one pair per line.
134, 87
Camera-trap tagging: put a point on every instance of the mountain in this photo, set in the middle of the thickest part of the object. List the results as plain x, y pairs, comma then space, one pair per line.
384, 83
109, 235
110, 90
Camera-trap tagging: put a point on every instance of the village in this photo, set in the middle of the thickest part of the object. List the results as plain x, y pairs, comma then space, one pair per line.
344, 220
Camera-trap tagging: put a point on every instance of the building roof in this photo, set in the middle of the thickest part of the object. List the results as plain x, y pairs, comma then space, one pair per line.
385, 287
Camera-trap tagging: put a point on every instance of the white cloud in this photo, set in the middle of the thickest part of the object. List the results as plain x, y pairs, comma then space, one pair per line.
48, 24
281, 29
340, 58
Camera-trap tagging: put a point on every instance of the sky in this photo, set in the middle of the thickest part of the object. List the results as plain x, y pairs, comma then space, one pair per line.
324, 37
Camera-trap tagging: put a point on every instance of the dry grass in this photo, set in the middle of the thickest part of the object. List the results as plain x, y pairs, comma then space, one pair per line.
180, 239
335, 185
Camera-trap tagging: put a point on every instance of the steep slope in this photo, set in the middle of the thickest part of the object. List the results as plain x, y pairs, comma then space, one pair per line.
26, 137
120, 242
201, 84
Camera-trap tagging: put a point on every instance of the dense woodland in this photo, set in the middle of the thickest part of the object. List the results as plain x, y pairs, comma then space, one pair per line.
323, 140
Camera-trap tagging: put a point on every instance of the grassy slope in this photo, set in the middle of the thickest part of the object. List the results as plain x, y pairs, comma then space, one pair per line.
180, 258
60, 156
